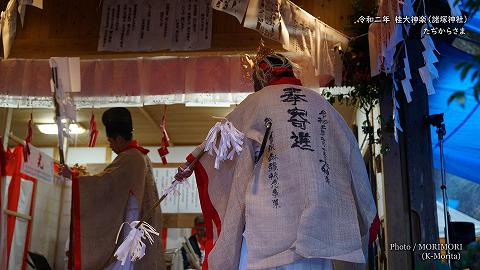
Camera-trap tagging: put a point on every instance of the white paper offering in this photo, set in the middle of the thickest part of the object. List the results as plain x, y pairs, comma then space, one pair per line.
236, 8
301, 29
264, 16
153, 25
9, 27
192, 26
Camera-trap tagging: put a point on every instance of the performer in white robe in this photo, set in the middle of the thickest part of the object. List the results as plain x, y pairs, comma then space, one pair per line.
298, 194
123, 192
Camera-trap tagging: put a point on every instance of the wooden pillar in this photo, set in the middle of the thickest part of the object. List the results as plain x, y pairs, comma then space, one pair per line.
396, 198
418, 156
409, 189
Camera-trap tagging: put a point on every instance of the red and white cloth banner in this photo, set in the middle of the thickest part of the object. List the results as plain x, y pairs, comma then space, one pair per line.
19, 206
3, 216
93, 132
163, 150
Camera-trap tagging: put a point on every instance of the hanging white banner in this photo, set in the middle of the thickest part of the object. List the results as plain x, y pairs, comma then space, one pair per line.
153, 25
39, 165
301, 27
130, 25
192, 26
264, 16
236, 8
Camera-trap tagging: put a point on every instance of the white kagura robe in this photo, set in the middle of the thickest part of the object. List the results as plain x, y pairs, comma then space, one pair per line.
308, 196
103, 200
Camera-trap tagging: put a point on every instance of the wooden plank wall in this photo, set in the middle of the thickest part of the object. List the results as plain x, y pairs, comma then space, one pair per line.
70, 28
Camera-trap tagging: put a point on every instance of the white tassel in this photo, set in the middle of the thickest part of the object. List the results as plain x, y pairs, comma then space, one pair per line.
231, 141
133, 247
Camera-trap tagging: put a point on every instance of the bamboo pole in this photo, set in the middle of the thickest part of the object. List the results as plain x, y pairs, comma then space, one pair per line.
16, 139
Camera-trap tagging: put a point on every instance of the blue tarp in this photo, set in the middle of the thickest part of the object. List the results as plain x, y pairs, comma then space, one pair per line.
462, 142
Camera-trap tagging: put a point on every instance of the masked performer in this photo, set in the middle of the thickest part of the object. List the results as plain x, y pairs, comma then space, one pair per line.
121, 193
297, 196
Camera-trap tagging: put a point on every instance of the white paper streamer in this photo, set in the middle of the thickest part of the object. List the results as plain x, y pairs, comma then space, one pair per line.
9, 27
396, 106
236, 8
429, 56
454, 8
21, 12
133, 247
427, 42
408, 73
406, 85
429, 72
407, 10
427, 79
407, 89
230, 143
2, 19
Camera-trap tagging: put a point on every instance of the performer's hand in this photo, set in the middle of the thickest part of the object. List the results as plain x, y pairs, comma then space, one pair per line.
183, 172
65, 171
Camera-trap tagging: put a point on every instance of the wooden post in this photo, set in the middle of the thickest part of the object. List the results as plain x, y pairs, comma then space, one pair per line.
418, 157
395, 191
409, 189
8, 123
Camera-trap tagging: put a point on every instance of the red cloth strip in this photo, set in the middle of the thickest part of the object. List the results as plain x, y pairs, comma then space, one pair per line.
3, 171
3, 160
210, 215
28, 139
374, 230
93, 132
134, 145
285, 80
77, 252
163, 150
164, 237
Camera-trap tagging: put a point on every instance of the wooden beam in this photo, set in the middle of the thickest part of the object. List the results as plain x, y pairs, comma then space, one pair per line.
8, 124
179, 220
16, 139
150, 119
16, 214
